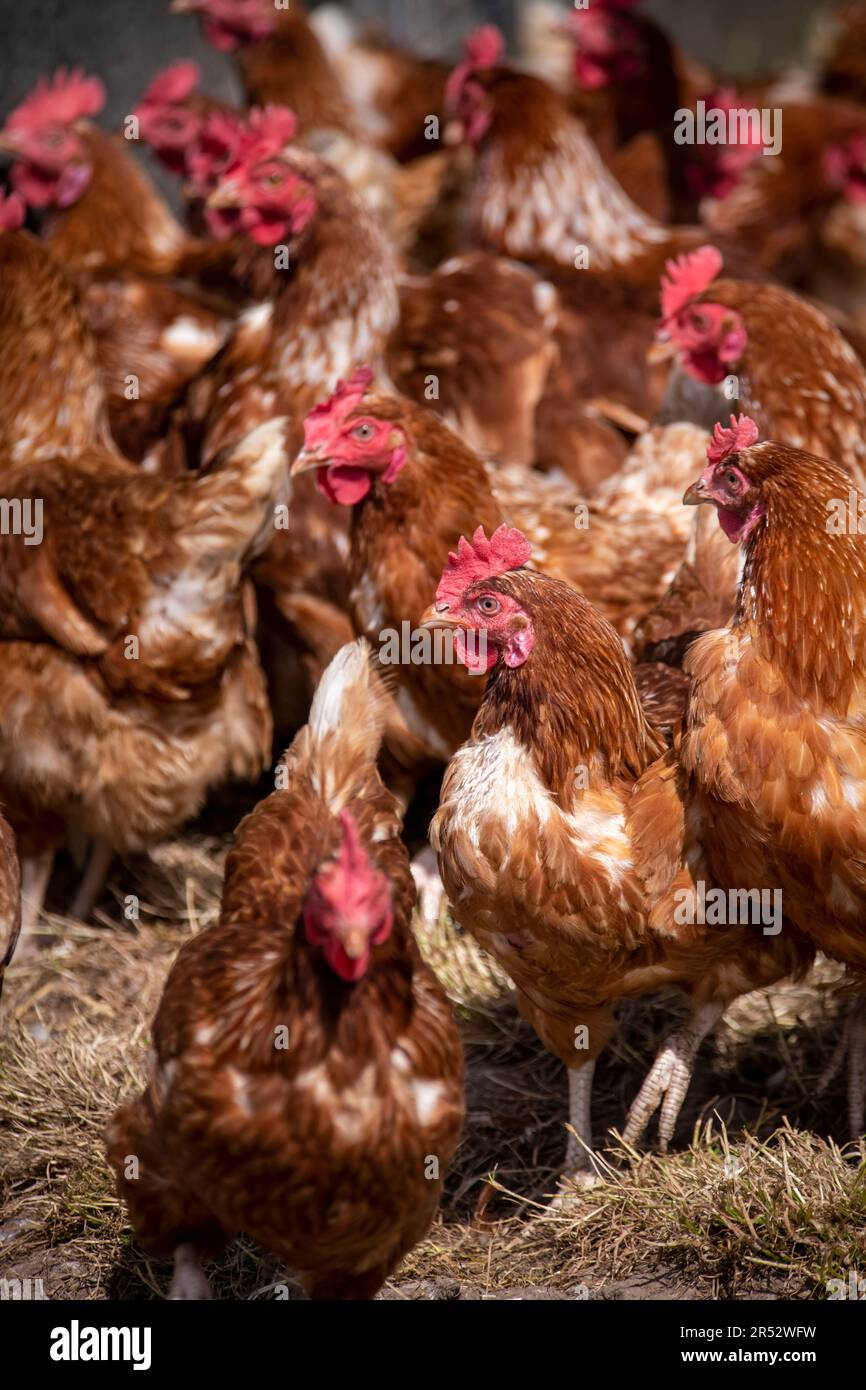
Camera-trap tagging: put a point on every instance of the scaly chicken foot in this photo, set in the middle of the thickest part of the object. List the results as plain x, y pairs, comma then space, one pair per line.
852, 1045
668, 1079
189, 1281
581, 1170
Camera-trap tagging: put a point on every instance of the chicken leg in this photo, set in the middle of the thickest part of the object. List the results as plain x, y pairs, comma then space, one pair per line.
35, 874
669, 1077
189, 1281
852, 1045
431, 893
92, 880
580, 1169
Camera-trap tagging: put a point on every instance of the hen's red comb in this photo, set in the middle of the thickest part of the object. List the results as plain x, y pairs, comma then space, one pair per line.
275, 125
11, 211
222, 128
324, 421
59, 100
266, 132
345, 882
687, 277
352, 857
172, 84
348, 879
506, 550
742, 433
216, 146
483, 49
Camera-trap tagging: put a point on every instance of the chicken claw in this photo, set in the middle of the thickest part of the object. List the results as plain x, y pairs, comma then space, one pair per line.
669, 1077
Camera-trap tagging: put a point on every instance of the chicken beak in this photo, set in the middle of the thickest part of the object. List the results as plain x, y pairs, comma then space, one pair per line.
226, 195
10, 143
437, 616
354, 942
661, 351
306, 461
697, 493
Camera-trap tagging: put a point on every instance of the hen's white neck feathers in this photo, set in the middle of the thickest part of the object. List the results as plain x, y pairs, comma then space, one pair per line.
566, 200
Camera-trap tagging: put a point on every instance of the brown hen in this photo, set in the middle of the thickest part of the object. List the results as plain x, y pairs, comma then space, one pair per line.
560, 834
307, 1084
129, 681
765, 349
280, 59
773, 746
116, 236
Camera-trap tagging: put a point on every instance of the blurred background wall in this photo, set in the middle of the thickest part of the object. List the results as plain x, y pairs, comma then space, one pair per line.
124, 41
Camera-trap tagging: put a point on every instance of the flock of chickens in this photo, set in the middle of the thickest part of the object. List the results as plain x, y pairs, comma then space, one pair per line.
444, 349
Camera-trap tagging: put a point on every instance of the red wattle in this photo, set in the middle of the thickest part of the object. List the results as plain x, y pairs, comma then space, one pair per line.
480, 658
348, 969
730, 523
343, 484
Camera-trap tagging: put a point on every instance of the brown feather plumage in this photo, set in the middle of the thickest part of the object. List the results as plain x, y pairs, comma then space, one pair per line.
561, 837
316, 1149
773, 742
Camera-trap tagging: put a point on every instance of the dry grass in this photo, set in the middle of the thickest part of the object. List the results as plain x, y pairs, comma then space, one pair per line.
753, 1201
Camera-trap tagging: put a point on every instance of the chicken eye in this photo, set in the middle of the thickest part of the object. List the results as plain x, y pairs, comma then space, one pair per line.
700, 322
488, 604
363, 432
275, 177
732, 479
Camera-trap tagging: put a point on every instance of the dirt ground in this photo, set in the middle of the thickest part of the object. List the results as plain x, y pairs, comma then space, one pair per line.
759, 1198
